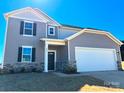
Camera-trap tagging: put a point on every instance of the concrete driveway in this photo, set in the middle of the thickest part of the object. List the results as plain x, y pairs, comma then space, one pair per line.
114, 78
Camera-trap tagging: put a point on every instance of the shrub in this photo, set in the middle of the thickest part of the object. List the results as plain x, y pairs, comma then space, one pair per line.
38, 70
1, 71
33, 69
22, 69
11, 71
70, 69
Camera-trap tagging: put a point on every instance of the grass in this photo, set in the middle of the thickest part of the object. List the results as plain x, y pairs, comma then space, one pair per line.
44, 82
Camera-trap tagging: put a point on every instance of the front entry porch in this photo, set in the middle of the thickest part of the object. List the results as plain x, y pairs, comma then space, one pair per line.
52, 48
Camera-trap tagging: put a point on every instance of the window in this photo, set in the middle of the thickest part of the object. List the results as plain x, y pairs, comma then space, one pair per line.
26, 54
28, 28
51, 30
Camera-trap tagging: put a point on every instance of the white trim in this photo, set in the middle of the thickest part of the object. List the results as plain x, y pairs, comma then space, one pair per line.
68, 51
5, 40
28, 19
53, 30
95, 32
82, 31
27, 46
119, 54
25, 9
46, 57
23, 54
54, 41
6, 14
115, 55
46, 29
43, 16
113, 38
71, 28
28, 35
49, 39
54, 58
16, 11
48, 16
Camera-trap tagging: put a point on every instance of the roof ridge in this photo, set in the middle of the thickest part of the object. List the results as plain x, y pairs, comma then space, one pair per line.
73, 26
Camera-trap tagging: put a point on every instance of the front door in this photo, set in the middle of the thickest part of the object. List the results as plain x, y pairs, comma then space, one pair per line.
51, 60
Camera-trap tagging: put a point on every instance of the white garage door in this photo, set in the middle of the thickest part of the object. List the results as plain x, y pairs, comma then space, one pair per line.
95, 59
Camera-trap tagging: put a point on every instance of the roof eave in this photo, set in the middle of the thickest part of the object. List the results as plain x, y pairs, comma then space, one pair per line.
97, 32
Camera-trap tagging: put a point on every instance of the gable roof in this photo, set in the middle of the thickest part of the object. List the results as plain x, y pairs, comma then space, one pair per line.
95, 32
80, 28
48, 19
36, 11
46, 16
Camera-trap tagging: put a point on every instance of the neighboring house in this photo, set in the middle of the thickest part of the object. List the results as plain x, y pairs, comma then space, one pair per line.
122, 51
35, 40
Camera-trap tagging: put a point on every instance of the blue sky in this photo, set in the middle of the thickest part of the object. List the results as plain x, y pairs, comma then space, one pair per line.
101, 14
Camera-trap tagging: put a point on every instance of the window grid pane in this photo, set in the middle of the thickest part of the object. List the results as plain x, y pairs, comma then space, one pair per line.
51, 30
28, 25
26, 58
28, 32
27, 51
27, 54
28, 28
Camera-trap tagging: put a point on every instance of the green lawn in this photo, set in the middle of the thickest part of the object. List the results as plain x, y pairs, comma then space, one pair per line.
44, 82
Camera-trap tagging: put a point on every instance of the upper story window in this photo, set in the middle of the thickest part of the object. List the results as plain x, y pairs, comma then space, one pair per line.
51, 30
28, 28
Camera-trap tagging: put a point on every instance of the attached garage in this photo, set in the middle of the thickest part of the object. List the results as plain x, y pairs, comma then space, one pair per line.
94, 50
95, 59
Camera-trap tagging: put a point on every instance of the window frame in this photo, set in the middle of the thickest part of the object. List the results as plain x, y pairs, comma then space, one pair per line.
25, 28
23, 54
53, 30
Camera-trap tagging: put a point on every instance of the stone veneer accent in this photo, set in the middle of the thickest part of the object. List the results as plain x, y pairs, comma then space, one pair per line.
22, 67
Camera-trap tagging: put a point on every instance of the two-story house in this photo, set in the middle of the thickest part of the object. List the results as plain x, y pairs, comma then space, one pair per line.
36, 41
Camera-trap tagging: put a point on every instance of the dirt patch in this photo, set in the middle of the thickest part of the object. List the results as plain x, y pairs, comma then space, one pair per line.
88, 88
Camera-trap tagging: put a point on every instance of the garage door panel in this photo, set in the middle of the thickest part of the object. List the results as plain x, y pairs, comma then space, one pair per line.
95, 59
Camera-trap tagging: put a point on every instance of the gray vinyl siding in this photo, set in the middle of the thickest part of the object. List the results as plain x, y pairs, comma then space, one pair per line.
93, 41
61, 53
64, 53
14, 40
64, 33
